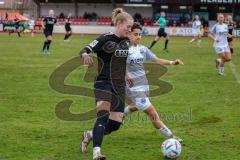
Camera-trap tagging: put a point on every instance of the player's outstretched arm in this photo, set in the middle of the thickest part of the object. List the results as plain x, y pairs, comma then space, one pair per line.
168, 62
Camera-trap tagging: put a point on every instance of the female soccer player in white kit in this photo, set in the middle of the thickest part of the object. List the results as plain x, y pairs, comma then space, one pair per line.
138, 88
219, 33
31, 26
196, 30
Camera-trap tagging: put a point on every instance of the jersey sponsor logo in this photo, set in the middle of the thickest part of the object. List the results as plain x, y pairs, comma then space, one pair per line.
121, 53
223, 33
138, 60
93, 43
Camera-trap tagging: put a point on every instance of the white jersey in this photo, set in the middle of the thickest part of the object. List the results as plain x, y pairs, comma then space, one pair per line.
31, 22
139, 92
135, 67
220, 31
196, 25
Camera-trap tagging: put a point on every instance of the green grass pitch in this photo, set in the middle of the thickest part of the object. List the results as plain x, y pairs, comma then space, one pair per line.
203, 108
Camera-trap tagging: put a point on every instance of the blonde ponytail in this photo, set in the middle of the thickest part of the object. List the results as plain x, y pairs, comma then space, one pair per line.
119, 14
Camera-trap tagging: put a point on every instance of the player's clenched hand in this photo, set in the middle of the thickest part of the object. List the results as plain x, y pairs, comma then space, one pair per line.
229, 36
130, 81
216, 40
177, 62
87, 60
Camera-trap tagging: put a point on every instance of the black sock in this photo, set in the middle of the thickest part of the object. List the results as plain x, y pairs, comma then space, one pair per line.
19, 34
112, 126
153, 43
48, 45
231, 49
10, 32
66, 37
45, 44
99, 127
69, 35
166, 43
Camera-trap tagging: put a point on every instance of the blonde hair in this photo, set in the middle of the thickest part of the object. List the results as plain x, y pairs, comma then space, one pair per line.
119, 14
220, 14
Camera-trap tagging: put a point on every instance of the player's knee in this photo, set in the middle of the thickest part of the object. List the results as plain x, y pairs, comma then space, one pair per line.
153, 115
103, 117
112, 126
228, 59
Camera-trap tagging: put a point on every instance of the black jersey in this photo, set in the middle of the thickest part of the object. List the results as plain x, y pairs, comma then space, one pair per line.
49, 23
112, 53
230, 28
16, 22
68, 21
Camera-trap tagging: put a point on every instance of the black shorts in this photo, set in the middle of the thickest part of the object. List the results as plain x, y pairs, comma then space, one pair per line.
162, 33
16, 27
105, 91
229, 39
68, 28
47, 33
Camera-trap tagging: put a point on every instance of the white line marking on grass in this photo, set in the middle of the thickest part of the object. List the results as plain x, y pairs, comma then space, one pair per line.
235, 72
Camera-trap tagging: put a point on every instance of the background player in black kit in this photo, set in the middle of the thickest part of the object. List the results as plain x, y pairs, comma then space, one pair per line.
16, 25
109, 87
68, 27
231, 25
48, 25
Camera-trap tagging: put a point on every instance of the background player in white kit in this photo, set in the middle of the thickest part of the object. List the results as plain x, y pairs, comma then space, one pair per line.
196, 30
219, 34
138, 88
31, 26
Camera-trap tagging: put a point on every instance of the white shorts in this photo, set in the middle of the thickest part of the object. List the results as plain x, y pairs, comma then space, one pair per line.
142, 103
31, 27
139, 96
196, 32
220, 50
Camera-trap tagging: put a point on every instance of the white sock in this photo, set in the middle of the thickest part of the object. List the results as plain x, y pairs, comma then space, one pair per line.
90, 133
167, 132
222, 69
192, 40
127, 111
96, 151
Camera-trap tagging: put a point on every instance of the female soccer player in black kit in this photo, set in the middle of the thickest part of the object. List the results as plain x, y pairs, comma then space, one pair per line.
68, 27
230, 31
109, 87
16, 25
48, 24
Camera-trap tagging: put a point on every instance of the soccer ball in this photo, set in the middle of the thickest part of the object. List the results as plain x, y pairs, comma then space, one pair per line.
171, 148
